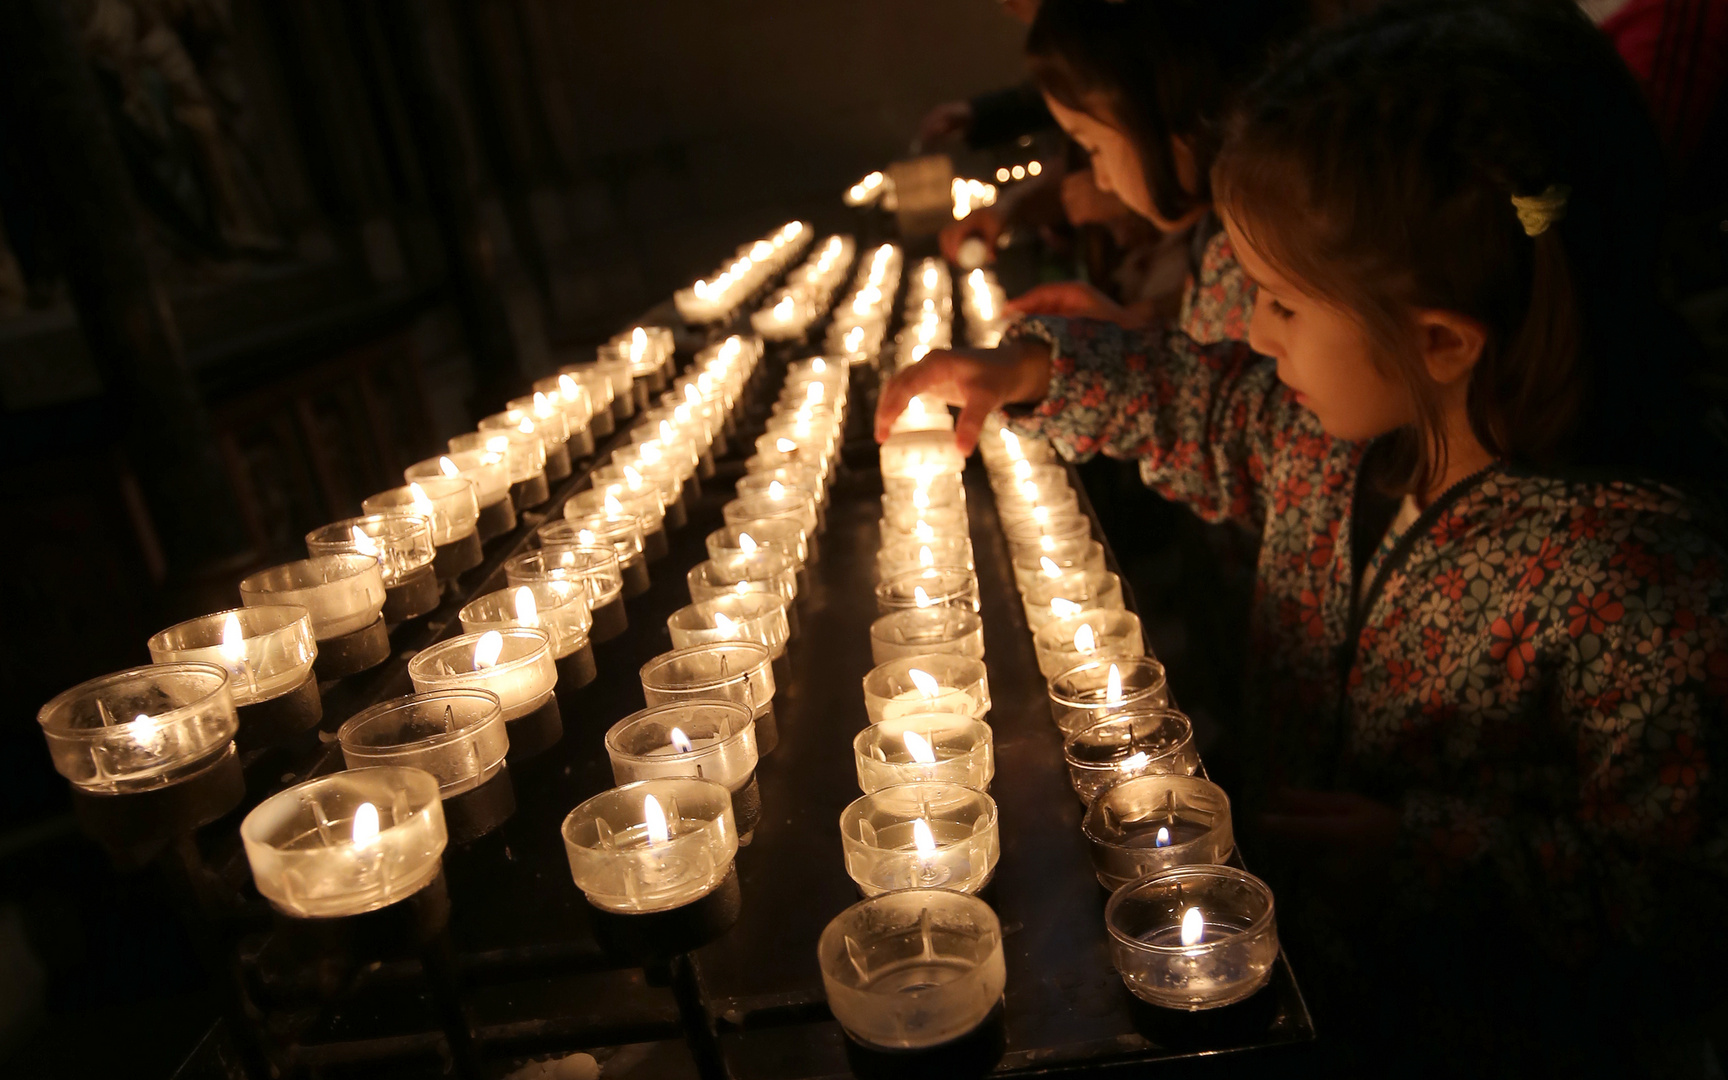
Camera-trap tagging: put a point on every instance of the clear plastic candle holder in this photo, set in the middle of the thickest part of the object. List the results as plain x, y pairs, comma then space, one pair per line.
1101, 634
1097, 689
737, 671
1067, 556
448, 503
598, 383
1196, 937
941, 489
267, 651
921, 454
653, 845
930, 683
1012, 482
782, 534
1154, 822
920, 631
707, 739
623, 532
341, 593
1071, 593
905, 555
550, 425
763, 570
457, 735
940, 747
922, 835
402, 543
524, 453
1129, 744
903, 508
1002, 448
764, 460
930, 586
923, 414
927, 524
758, 617
791, 504
140, 729
1029, 533
798, 477
485, 470
557, 607
596, 567
347, 843
913, 969
1012, 511
568, 395
617, 500
517, 666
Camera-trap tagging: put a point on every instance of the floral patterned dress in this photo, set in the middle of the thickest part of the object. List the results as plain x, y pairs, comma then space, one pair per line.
1534, 673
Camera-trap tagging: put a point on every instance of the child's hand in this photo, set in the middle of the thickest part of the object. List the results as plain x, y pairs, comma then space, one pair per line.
978, 380
982, 223
1074, 300
1347, 836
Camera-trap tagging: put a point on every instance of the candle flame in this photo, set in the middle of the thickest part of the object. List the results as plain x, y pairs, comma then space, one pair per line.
919, 748
233, 647
666, 432
1029, 491
776, 490
567, 386
1051, 570
815, 393
747, 543
929, 277
1048, 543
638, 342
691, 394
1163, 838
448, 467
1061, 608
926, 557
1041, 514
1085, 639
1193, 926
634, 477
365, 824
921, 496
1134, 763
422, 504
362, 543
783, 310
925, 682
499, 444
650, 452
584, 536
527, 612
1113, 686
921, 597
924, 840
613, 506
488, 649
654, 819
526, 427
681, 742
1011, 443
785, 446
724, 625
924, 531
1022, 470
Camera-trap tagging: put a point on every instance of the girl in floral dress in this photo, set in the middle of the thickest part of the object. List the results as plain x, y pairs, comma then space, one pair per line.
1490, 627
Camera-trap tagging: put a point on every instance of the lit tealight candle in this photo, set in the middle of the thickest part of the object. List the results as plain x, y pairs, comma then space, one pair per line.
920, 835
929, 683
1194, 937
515, 663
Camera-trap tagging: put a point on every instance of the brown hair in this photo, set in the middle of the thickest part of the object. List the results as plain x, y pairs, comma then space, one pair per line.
1164, 69
1376, 166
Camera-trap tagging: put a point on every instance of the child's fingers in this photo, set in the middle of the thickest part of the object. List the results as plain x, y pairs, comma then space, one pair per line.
926, 374
971, 423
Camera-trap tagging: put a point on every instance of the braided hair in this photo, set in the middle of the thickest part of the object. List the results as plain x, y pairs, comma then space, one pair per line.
1377, 165
1162, 69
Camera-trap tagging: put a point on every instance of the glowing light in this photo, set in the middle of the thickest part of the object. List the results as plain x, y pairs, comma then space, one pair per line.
1002, 175
422, 504
1048, 565
363, 544
584, 536
1061, 608
1113, 686
1018, 172
747, 543
930, 277
1163, 837
1134, 762
1085, 640
527, 612
526, 427
785, 446
725, 625
448, 467
776, 490
681, 742
365, 829
1033, 168
233, 647
567, 386
919, 748
920, 597
924, 531
613, 506
926, 557
1193, 926
488, 649
925, 841
925, 682
654, 820
784, 309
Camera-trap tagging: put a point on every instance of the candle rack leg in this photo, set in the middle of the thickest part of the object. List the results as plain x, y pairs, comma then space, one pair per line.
698, 1026
438, 961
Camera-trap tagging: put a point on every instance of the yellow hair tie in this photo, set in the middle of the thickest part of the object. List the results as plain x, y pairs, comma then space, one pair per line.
1537, 212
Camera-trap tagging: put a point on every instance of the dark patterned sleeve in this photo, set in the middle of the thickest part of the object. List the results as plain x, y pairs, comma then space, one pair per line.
1205, 422
1633, 843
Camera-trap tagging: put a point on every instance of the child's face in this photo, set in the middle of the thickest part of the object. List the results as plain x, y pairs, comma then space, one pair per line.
1323, 353
1116, 164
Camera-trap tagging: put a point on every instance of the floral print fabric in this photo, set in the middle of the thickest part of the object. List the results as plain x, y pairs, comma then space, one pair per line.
1219, 301
1539, 684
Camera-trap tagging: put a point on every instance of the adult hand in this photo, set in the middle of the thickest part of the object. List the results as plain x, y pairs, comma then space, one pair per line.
1075, 300
1085, 204
982, 223
946, 119
978, 380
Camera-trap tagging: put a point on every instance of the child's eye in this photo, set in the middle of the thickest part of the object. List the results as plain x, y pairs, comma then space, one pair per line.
1279, 309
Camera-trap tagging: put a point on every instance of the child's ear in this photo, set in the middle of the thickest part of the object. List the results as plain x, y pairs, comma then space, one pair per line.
1451, 344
